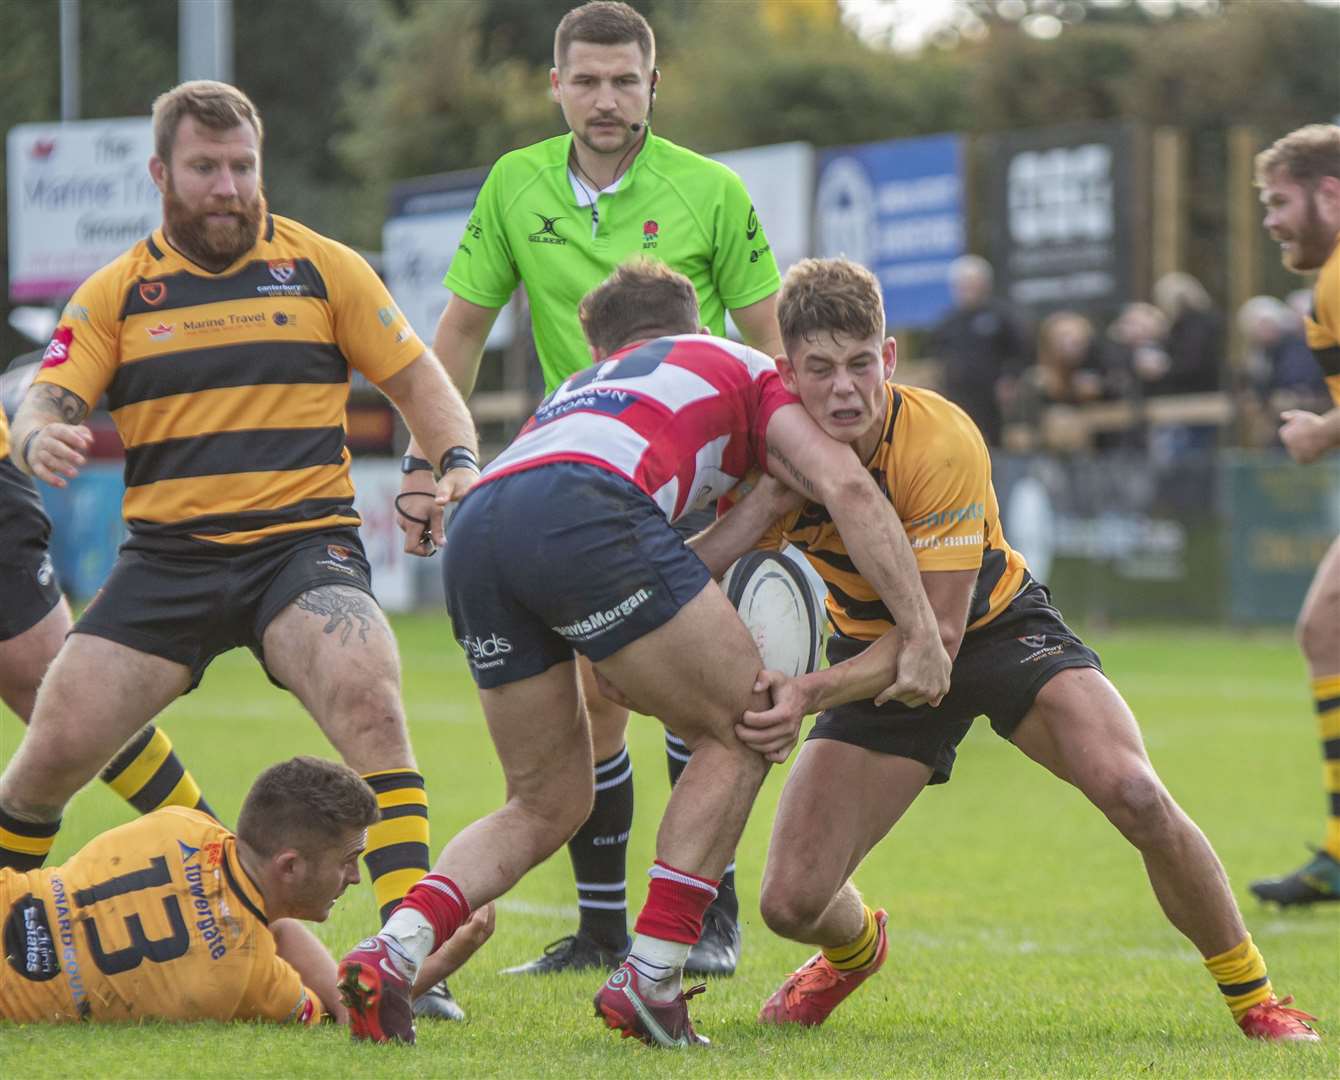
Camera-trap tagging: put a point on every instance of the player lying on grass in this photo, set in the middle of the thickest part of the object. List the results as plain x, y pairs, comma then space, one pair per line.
172, 917
565, 546
1015, 661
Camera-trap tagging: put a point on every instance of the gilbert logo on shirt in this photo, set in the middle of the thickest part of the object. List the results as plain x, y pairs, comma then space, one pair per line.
59, 350
546, 233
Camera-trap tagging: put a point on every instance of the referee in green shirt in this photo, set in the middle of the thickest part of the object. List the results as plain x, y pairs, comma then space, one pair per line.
558, 217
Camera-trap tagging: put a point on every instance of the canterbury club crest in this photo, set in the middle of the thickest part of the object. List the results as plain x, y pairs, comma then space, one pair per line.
282, 270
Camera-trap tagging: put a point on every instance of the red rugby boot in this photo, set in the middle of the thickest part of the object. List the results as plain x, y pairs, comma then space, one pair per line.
1272, 1021
376, 994
816, 988
621, 1005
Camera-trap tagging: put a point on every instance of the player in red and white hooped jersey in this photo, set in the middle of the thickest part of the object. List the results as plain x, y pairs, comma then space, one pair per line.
683, 418
565, 546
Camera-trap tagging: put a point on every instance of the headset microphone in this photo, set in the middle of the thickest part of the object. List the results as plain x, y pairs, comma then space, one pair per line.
638, 126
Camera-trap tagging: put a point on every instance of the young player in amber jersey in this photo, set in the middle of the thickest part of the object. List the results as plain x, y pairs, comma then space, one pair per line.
1299, 177
1015, 661
173, 917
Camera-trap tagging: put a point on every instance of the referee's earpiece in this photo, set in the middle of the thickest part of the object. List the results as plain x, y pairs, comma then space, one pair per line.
651, 101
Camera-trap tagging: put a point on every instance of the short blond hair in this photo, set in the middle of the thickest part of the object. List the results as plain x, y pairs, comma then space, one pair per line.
216, 105
829, 296
641, 299
1304, 155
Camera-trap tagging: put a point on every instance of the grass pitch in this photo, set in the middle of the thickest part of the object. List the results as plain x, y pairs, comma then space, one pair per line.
1024, 938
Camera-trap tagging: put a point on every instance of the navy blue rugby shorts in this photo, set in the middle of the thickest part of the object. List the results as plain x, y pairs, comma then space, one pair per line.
558, 559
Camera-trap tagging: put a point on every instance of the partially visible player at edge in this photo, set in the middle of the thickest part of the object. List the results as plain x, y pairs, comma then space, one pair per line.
224, 343
1015, 661
558, 217
173, 917
1299, 178
665, 422
34, 620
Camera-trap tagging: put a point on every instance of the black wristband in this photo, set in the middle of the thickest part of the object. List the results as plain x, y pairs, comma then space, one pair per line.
409, 463
458, 457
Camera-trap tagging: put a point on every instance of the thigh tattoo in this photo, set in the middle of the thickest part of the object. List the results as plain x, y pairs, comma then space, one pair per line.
346, 610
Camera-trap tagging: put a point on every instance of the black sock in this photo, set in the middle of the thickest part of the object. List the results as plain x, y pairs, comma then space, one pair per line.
599, 854
676, 757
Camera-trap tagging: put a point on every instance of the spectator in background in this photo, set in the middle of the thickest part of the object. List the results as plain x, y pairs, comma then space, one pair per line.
982, 344
1195, 338
1137, 340
1073, 369
1281, 371
1069, 370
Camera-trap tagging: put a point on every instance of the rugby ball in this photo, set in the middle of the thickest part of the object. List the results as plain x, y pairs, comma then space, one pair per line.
777, 604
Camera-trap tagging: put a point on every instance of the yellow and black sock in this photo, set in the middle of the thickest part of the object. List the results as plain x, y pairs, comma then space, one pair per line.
397, 854
149, 775
1241, 975
1326, 698
24, 845
859, 953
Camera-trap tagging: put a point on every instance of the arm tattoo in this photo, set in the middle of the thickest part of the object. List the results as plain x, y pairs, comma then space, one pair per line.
799, 477
345, 610
59, 404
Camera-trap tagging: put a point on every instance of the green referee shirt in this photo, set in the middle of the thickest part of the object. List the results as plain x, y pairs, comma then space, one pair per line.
529, 226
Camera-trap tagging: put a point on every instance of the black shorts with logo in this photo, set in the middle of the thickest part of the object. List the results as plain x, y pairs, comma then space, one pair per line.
28, 585
561, 558
188, 603
997, 673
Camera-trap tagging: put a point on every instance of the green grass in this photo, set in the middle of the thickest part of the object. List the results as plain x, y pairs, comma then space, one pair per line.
1025, 940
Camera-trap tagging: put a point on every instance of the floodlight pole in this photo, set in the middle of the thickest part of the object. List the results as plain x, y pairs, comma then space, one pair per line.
69, 59
205, 39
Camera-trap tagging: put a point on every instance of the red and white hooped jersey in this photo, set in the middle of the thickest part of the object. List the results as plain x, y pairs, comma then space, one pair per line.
683, 418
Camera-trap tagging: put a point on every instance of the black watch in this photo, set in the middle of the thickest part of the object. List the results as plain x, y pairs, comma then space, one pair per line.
409, 463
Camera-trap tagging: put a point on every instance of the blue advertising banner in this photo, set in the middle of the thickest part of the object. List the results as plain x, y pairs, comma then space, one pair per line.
86, 528
897, 208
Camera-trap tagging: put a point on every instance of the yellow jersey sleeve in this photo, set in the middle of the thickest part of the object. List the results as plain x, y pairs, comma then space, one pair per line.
85, 350
942, 483
1323, 329
371, 331
276, 992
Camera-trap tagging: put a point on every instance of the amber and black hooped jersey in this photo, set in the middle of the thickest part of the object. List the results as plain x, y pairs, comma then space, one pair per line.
155, 919
4, 435
229, 389
1323, 329
933, 466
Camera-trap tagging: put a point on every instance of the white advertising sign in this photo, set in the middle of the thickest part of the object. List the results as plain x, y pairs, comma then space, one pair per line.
376, 484
780, 181
416, 252
79, 195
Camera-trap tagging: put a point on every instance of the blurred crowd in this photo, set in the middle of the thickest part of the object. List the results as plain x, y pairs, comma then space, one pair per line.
1158, 377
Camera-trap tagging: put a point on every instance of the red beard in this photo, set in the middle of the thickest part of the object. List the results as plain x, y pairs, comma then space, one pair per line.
213, 244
